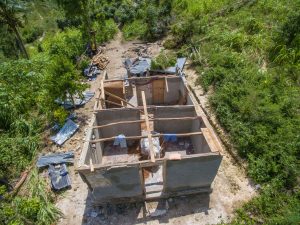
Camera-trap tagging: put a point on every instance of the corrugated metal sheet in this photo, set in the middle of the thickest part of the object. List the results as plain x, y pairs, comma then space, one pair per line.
65, 132
58, 158
68, 104
59, 176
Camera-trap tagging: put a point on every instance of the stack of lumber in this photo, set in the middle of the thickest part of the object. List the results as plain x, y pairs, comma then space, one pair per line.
100, 61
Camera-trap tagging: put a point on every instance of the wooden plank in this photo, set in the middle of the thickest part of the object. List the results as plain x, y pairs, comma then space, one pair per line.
143, 163
158, 91
113, 103
119, 98
91, 166
166, 84
157, 106
141, 121
152, 156
210, 140
102, 93
144, 78
145, 136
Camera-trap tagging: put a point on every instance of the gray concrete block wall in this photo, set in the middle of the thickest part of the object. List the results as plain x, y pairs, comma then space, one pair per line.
177, 126
114, 183
113, 115
191, 173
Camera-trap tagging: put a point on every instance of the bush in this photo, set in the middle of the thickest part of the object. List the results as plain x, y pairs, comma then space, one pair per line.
134, 30
163, 61
105, 30
68, 43
30, 34
36, 207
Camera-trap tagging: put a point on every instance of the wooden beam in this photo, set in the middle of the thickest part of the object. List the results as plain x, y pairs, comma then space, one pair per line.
166, 84
145, 136
152, 156
141, 121
119, 98
102, 92
113, 103
91, 165
145, 78
156, 106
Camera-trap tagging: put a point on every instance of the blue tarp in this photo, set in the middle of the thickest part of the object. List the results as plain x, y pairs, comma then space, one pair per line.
58, 158
59, 176
68, 104
121, 141
140, 66
65, 132
170, 137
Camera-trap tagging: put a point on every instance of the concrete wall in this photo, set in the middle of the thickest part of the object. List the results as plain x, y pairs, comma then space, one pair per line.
175, 126
115, 115
148, 92
199, 142
172, 95
121, 182
189, 173
176, 88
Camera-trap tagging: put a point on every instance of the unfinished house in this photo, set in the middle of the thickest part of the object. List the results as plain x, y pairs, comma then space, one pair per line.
149, 139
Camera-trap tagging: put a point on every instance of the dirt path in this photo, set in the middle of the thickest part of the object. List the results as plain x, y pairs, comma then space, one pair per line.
230, 188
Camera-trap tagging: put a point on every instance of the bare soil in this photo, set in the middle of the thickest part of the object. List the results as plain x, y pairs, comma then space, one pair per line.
231, 187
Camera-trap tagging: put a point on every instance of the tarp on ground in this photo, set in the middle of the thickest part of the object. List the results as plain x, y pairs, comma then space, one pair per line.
68, 104
57, 158
65, 132
138, 67
59, 176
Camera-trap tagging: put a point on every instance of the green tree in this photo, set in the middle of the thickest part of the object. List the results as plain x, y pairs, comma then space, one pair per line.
79, 9
10, 15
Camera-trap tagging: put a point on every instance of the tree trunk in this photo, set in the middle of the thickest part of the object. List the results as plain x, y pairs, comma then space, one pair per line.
21, 42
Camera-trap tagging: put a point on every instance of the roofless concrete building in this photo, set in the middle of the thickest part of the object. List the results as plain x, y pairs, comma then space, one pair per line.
149, 139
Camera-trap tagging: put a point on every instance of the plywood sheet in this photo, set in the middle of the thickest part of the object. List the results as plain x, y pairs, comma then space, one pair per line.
158, 90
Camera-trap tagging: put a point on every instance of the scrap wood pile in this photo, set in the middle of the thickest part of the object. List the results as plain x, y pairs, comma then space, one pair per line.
100, 61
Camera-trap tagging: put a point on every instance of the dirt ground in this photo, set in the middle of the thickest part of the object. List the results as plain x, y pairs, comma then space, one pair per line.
231, 187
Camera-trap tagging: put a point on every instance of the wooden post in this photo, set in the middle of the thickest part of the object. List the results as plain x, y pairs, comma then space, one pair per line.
92, 166
166, 84
102, 94
148, 128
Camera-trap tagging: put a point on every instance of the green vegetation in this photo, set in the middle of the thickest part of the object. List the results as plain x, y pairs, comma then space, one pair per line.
141, 19
249, 54
163, 61
34, 207
39, 63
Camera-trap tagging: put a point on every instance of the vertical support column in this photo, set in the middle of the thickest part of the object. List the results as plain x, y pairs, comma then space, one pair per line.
148, 127
98, 152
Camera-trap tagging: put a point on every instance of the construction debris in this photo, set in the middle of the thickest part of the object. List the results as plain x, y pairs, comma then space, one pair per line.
91, 71
58, 158
65, 132
100, 61
59, 176
141, 65
77, 100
